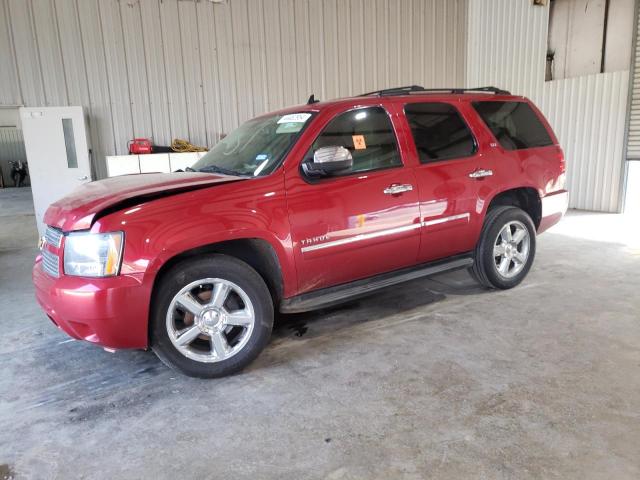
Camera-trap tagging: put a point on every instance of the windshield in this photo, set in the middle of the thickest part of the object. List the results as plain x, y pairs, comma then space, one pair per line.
256, 147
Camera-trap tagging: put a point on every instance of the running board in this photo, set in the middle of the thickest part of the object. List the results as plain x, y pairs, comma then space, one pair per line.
330, 296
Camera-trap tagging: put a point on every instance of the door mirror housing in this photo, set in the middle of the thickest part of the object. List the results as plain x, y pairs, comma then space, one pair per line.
331, 160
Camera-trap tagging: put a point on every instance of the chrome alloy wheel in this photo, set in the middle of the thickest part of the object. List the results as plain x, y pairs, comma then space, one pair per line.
511, 249
210, 320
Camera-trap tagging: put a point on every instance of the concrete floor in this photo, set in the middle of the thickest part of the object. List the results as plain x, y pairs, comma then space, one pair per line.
436, 379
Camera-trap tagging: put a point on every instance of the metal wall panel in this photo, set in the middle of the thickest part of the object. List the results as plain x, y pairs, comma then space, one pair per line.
136, 66
55, 90
25, 53
507, 41
588, 115
10, 90
94, 67
122, 108
73, 66
196, 69
633, 138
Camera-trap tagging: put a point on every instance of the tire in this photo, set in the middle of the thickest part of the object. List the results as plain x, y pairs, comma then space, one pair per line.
199, 297
493, 252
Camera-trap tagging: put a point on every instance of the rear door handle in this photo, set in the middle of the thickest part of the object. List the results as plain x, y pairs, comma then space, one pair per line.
481, 173
397, 188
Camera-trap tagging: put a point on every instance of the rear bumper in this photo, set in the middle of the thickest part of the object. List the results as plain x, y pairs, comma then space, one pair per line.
111, 312
554, 206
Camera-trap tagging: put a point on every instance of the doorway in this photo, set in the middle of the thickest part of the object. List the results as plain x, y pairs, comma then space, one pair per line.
14, 171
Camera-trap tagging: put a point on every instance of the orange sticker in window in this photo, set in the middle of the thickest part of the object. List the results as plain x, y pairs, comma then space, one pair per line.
358, 142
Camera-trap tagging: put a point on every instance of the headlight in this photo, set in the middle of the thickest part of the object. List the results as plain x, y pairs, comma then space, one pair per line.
92, 254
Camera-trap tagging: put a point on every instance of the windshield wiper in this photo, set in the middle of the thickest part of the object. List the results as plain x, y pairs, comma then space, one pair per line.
224, 171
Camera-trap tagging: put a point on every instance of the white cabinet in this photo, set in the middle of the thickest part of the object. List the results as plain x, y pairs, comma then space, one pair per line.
122, 165
150, 163
155, 162
180, 161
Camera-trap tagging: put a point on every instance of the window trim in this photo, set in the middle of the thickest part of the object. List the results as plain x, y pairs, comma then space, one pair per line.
476, 146
315, 181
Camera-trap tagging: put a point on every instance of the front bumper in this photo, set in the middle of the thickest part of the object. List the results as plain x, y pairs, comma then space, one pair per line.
554, 206
112, 312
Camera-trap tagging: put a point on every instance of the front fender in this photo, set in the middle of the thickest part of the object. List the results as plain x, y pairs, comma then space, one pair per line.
157, 231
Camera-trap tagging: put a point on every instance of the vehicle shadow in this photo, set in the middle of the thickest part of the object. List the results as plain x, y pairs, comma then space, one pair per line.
394, 300
81, 376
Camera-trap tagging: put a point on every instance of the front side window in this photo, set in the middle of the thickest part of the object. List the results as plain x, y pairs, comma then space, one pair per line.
256, 148
514, 124
368, 135
439, 132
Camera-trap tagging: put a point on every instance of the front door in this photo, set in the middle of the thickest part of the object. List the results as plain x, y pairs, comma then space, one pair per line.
362, 222
55, 141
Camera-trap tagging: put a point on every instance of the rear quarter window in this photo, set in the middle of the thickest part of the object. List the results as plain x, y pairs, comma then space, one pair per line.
514, 124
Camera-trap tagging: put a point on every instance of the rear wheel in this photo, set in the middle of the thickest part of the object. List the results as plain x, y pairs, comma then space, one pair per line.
212, 316
506, 249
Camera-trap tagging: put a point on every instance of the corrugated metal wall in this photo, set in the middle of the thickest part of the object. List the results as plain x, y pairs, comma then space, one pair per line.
195, 69
633, 118
507, 45
588, 114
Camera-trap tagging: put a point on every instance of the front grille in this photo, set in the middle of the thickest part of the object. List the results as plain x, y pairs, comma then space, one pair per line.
53, 237
50, 263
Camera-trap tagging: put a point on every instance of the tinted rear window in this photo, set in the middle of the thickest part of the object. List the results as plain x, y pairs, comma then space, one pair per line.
439, 131
515, 124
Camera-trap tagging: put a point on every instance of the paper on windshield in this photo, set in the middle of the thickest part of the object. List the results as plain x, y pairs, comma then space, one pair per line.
295, 118
292, 123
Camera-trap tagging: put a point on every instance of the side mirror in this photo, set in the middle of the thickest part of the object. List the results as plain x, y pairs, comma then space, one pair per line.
329, 161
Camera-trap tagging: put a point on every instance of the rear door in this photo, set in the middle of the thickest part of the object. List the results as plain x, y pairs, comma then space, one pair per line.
356, 224
450, 177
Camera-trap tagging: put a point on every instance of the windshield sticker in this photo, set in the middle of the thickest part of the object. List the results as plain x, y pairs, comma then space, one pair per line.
261, 156
290, 127
295, 118
358, 142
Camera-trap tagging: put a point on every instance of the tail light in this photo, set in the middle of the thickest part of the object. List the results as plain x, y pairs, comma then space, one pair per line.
561, 160
562, 169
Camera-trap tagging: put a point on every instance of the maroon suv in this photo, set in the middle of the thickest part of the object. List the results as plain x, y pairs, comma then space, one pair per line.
300, 209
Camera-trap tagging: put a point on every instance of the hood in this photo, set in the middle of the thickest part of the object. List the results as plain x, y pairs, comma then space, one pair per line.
79, 209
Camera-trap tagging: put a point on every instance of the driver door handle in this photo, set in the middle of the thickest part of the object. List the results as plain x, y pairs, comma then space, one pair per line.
481, 173
397, 188
86, 177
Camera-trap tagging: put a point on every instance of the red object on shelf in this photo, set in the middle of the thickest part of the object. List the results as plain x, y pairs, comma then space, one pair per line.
139, 146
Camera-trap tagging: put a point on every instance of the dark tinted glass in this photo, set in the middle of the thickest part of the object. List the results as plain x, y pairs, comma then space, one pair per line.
439, 131
367, 133
515, 124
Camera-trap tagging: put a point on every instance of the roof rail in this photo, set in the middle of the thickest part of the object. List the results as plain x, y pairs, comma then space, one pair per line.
418, 89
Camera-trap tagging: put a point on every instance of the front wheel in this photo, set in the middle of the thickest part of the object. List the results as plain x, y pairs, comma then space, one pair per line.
506, 249
211, 316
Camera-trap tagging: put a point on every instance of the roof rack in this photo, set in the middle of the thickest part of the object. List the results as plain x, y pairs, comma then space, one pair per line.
418, 89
